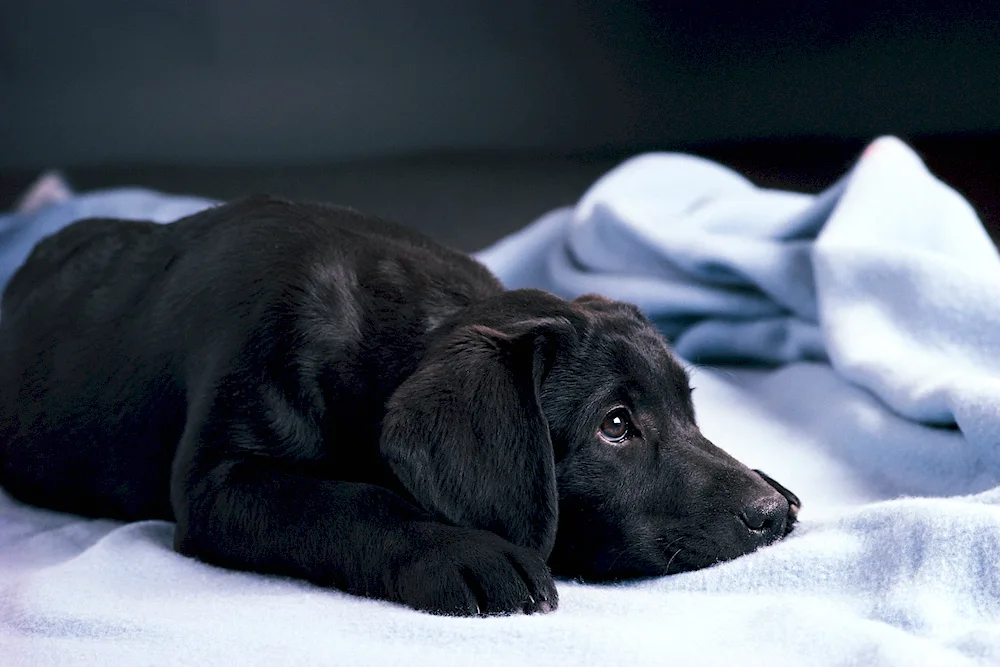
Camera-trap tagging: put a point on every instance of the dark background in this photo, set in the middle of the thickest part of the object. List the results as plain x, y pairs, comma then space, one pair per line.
469, 118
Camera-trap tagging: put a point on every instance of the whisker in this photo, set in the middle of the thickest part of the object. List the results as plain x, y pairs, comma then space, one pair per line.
619, 554
667, 548
671, 561
671, 543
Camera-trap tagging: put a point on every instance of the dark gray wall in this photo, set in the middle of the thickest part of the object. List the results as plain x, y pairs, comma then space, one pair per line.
159, 81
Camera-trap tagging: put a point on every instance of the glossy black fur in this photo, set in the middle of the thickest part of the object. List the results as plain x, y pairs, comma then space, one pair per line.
313, 392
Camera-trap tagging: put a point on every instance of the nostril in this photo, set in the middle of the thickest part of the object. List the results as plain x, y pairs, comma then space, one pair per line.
764, 515
753, 518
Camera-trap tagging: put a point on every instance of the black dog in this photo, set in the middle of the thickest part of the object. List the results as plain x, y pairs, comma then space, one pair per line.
316, 393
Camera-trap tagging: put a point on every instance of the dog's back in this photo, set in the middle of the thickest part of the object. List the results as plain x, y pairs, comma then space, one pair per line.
111, 331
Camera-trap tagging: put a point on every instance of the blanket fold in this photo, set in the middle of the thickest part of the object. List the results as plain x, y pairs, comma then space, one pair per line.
888, 274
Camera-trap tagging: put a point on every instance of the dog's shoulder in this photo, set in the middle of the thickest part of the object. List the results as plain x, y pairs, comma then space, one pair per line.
362, 239
276, 229
319, 250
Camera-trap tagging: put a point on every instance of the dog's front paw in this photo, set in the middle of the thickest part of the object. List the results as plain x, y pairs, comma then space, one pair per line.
475, 573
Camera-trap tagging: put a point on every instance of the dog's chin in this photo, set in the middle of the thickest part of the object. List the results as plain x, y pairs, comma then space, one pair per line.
654, 567
696, 554
640, 561
663, 556
593, 564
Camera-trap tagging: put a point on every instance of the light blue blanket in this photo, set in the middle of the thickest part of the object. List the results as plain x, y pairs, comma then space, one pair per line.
888, 275
871, 315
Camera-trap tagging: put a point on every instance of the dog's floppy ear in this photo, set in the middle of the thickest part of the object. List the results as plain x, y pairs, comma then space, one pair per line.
466, 435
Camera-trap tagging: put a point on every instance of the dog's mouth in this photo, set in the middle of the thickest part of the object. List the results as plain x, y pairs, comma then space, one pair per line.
693, 554
721, 536
794, 504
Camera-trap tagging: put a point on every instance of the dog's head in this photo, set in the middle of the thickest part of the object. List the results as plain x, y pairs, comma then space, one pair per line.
568, 427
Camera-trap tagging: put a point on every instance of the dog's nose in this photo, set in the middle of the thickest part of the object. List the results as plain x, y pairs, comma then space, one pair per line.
766, 515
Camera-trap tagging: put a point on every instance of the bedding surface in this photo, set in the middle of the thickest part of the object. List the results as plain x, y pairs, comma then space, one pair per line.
844, 343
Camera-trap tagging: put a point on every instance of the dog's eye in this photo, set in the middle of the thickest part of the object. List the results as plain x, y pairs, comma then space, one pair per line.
617, 426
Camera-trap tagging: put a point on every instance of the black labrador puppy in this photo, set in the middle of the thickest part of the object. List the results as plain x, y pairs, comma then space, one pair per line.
312, 392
